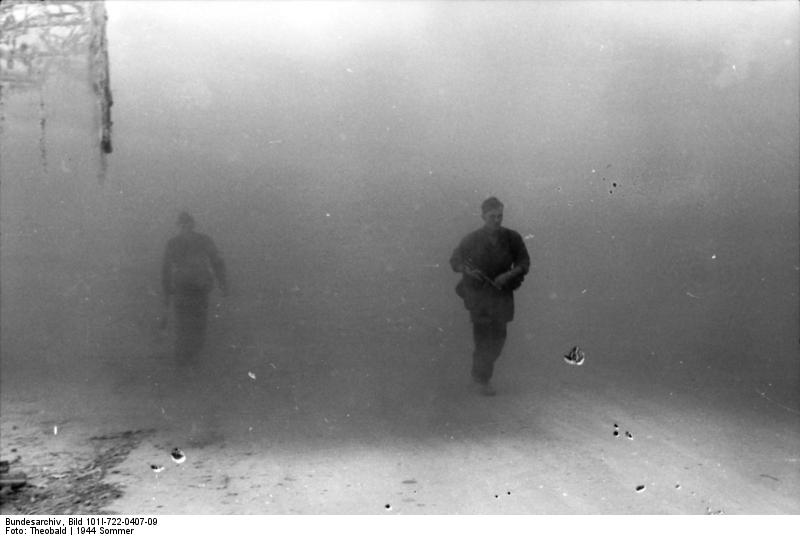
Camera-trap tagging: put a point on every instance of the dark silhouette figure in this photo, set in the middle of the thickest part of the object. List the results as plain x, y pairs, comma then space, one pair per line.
493, 261
191, 261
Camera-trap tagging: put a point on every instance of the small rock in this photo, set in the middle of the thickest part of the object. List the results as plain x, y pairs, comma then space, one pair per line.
178, 456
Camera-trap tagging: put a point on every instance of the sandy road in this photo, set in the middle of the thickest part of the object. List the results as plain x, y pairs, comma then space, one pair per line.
542, 447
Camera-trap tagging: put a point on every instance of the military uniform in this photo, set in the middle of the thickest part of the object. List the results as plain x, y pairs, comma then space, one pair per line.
490, 308
191, 261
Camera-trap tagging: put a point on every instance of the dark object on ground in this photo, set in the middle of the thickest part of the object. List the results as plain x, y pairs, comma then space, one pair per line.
79, 489
178, 455
575, 356
13, 480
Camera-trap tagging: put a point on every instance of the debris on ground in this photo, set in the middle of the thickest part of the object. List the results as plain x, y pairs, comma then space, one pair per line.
78, 490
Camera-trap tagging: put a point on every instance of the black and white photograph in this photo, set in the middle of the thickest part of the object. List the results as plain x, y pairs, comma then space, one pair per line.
399, 258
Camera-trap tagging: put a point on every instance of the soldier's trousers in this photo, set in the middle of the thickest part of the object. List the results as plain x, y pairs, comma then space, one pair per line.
191, 313
489, 337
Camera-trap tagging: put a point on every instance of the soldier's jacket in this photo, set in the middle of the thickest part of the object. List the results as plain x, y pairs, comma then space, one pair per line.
190, 263
485, 302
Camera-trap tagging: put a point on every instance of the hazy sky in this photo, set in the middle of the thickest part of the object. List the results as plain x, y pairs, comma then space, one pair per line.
522, 84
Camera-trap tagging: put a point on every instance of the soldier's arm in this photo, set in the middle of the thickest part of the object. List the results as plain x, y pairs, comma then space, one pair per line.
218, 265
522, 260
460, 261
457, 260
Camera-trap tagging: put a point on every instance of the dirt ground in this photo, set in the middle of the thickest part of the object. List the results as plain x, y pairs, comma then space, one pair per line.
557, 439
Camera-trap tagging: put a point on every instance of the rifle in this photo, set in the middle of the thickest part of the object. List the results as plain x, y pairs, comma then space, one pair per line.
481, 276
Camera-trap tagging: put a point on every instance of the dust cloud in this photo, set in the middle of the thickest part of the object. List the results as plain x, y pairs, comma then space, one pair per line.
337, 155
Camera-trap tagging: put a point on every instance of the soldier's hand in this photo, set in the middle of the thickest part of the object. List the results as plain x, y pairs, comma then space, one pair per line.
472, 272
503, 279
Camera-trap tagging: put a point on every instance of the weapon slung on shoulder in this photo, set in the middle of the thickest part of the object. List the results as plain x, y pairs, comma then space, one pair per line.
481, 276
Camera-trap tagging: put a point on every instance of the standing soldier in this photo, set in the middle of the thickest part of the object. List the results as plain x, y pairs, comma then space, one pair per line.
493, 261
191, 261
